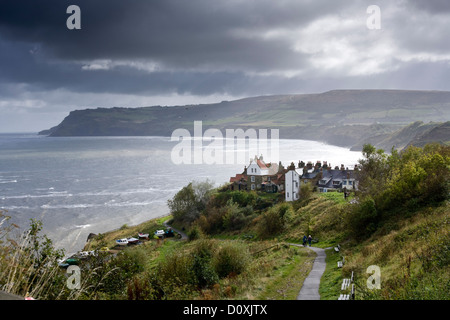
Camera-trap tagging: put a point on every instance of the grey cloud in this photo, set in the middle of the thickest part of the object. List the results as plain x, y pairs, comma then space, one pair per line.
174, 33
432, 6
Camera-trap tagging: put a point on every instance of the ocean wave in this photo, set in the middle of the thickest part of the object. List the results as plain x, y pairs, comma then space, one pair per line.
15, 208
98, 205
82, 226
32, 196
8, 181
126, 192
89, 194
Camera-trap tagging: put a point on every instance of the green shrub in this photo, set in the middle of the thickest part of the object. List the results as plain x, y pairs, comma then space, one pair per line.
176, 267
234, 218
195, 233
362, 219
275, 220
231, 259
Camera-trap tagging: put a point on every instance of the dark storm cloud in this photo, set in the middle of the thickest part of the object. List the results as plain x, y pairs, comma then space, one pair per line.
33, 69
174, 33
199, 46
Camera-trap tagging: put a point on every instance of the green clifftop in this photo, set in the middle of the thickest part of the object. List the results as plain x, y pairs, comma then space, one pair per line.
347, 118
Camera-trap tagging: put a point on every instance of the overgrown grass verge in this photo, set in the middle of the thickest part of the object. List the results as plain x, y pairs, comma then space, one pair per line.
287, 279
330, 283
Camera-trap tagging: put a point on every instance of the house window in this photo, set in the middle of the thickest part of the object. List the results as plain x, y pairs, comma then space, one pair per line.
253, 187
323, 181
288, 194
296, 184
350, 183
336, 183
252, 178
344, 182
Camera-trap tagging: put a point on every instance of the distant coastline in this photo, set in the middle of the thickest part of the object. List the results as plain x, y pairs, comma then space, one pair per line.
345, 118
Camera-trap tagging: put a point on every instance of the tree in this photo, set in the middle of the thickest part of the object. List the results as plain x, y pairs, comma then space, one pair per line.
190, 201
374, 169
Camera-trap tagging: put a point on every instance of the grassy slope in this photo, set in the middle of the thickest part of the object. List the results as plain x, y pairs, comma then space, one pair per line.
276, 273
403, 248
412, 253
411, 249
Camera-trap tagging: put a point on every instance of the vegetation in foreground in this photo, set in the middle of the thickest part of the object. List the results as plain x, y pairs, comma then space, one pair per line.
238, 241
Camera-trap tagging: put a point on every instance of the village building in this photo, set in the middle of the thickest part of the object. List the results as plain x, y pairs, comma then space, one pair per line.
292, 183
272, 178
322, 177
259, 175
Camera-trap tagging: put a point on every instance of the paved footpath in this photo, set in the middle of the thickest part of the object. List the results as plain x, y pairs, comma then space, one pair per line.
183, 235
310, 288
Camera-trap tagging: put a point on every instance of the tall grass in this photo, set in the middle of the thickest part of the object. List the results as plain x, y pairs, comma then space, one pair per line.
28, 263
29, 266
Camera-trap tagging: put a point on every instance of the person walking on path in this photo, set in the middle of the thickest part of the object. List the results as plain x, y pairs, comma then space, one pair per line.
304, 240
309, 240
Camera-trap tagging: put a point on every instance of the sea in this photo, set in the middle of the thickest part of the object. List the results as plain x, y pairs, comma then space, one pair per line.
81, 185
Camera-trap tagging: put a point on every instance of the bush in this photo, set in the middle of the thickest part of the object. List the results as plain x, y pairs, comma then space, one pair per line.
112, 277
275, 220
362, 219
235, 218
176, 267
195, 233
242, 198
227, 217
231, 259
201, 256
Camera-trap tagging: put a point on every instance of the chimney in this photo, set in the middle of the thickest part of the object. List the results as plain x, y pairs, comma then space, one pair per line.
292, 166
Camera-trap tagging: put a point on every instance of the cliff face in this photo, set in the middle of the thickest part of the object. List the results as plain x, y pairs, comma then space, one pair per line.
417, 134
340, 117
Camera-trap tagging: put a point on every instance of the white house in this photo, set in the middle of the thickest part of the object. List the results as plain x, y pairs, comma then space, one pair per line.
292, 184
259, 172
257, 167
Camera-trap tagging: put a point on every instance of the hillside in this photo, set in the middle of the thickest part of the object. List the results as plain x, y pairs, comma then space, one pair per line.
339, 117
417, 134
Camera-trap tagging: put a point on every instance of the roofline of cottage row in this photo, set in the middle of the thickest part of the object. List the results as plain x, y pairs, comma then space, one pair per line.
259, 160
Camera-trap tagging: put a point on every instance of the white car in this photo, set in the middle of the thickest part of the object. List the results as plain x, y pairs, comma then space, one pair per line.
160, 233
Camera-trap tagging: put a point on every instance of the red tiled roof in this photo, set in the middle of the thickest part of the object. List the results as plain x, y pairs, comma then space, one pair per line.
261, 164
237, 178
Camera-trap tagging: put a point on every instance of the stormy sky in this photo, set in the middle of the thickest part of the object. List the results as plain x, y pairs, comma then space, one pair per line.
136, 53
